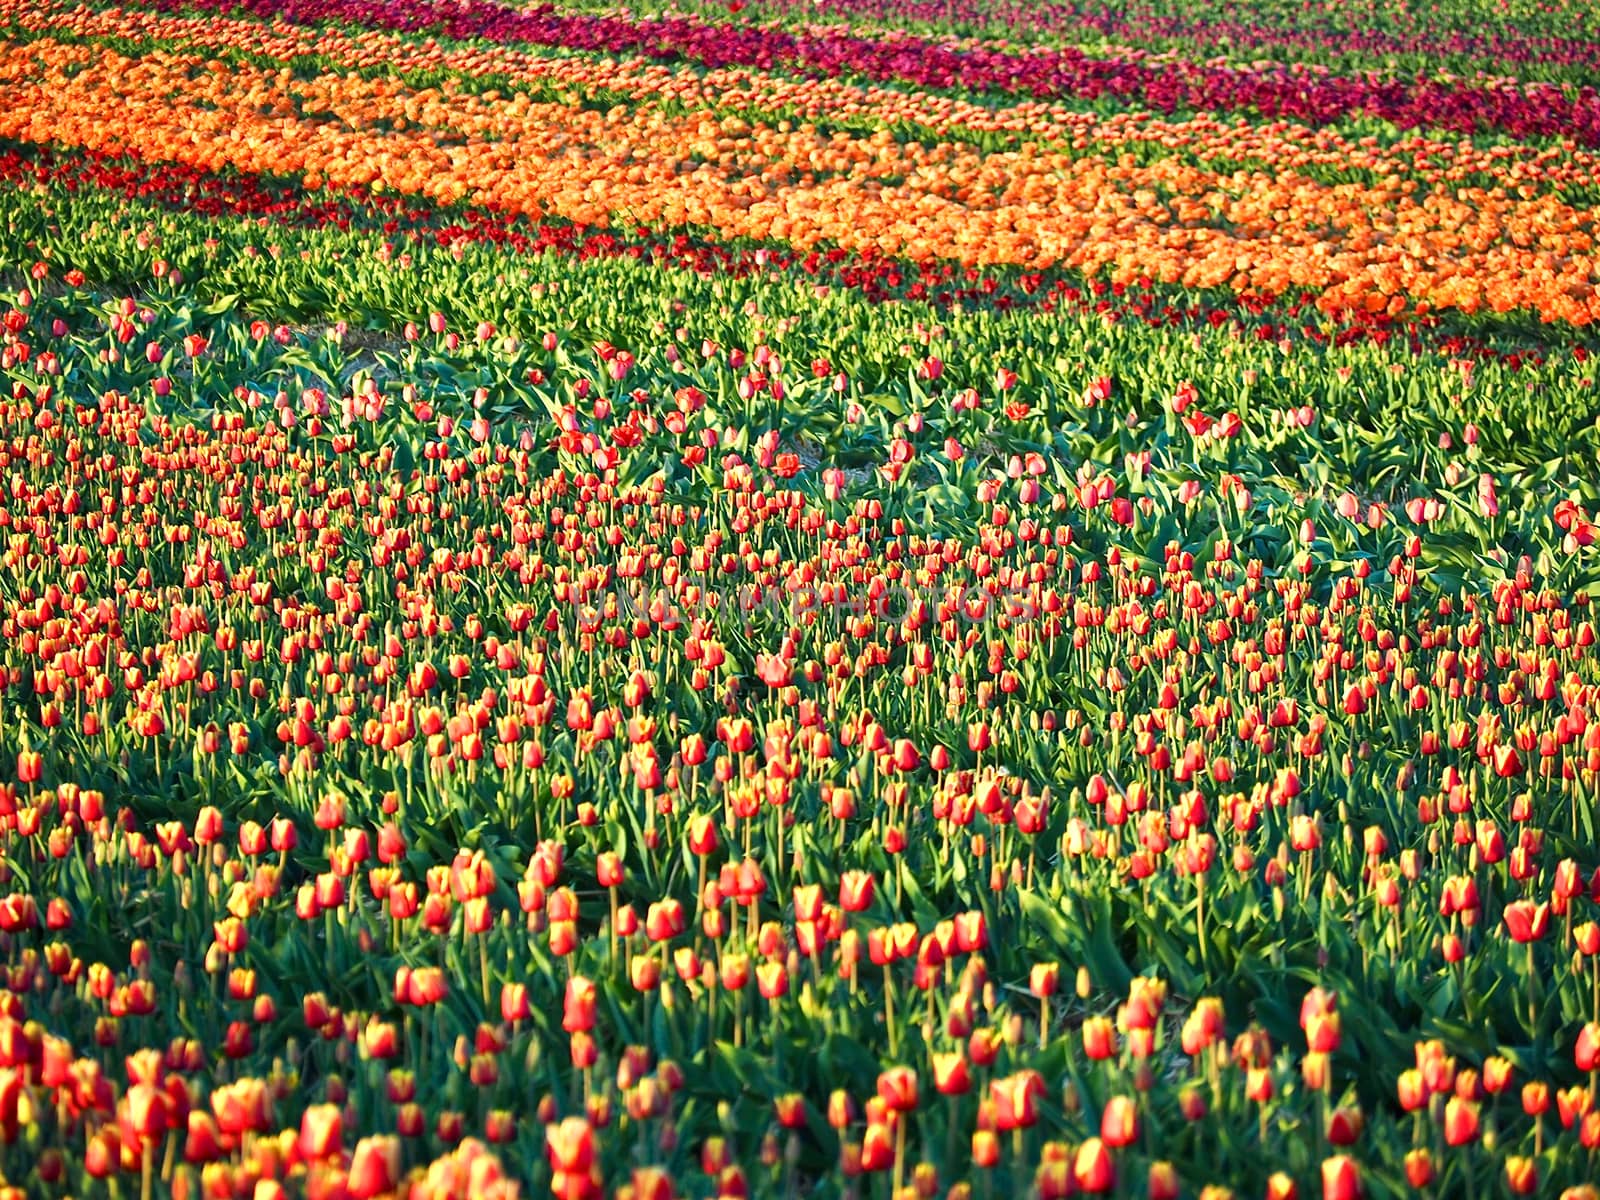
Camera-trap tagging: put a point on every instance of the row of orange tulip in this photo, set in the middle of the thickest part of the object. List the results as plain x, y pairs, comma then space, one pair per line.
1283, 144
1357, 246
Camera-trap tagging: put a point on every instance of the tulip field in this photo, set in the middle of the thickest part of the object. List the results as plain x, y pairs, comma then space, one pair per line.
864, 599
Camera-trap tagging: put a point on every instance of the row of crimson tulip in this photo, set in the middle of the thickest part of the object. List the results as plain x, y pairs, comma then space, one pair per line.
1556, 41
1290, 91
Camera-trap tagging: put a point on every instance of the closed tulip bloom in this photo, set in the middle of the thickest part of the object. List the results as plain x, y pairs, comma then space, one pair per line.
972, 932
147, 1110
577, 1010
877, 1148
570, 1146
1323, 1032
321, 1132
425, 986
242, 1107
664, 920
985, 1148
203, 1140
735, 972
644, 973
703, 839
950, 1074
1419, 1168
1497, 1073
1573, 1104
1411, 1089
1522, 1175
514, 1004
772, 980
1587, 1051
1526, 921
897, 1087
1163, 1183
1099, 1038
1345, 1125
1093, 1167
1460, 1121
1119, 1123
374, 1167
856, 891
1016, 1100
841, 1109
30, 766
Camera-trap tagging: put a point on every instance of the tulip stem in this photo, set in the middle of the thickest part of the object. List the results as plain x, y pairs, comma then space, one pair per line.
950, 1102
888, 1013
1533, 1001
899, 1151
483, 966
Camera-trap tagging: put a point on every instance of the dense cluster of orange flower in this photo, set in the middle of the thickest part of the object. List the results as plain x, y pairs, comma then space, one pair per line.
1283, 145
1382, 245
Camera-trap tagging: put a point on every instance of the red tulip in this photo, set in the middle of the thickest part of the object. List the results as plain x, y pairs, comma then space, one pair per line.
577, 1012
906, 756
1526, 921
1587, 1052
570, 1146
1016, 1100
30, 765
202, 1140
1419, 1168
1119, 1123
1460, 1121
374, 1167
514, 1004
146, 1110
664, 920
897, 1087
1323, 1032
985, 1148
950, 1074
608, 869
856, 891
1093, 1168
703, 838
1099, 1038
1164, 1183
1522, 1175
321, 1132
877, 1148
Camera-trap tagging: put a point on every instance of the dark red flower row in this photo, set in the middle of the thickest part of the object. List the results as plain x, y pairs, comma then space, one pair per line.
1320, 34
1293, 91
